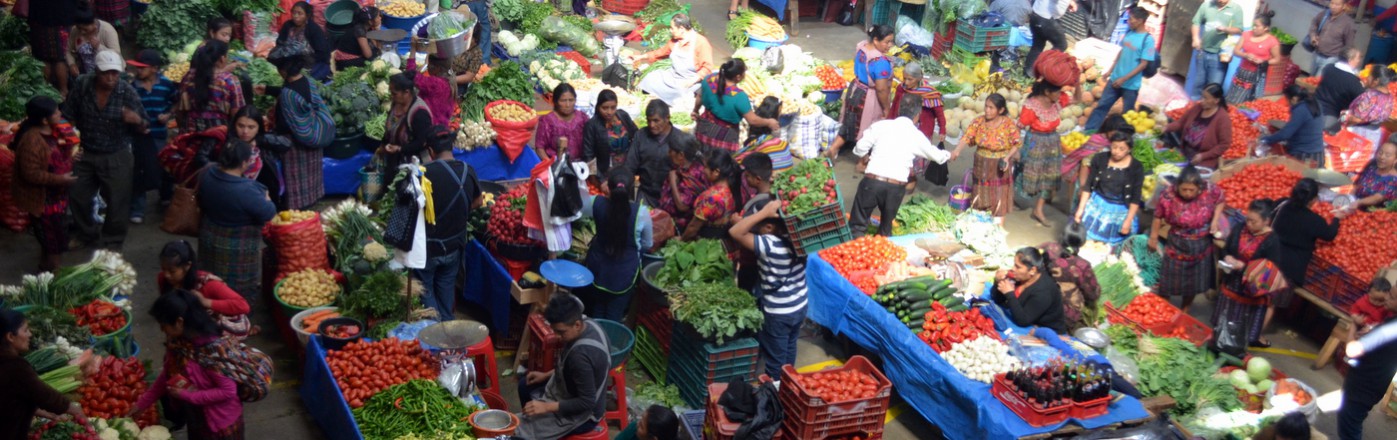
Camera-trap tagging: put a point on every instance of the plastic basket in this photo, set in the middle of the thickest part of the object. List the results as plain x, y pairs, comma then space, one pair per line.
693, 423
821, 237
1094, 408
833, 95
975, 39
943, 41
657, 321
624, 7
544, 346
620, 338
1347, 152
801, 405
647, 354
693, 370
1033, 416
760, 43
1184, 327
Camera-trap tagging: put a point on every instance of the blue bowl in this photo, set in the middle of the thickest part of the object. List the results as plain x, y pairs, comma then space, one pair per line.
759, 43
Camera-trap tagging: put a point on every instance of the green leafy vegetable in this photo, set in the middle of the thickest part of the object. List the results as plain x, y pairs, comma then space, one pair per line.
1117, 285
662, 394
657, 15
1283, 37
717, 311
22, 78
378, 295
14, 32
505, 81
168, 25
417, 407
737, 28
1183, 371
693, 263
353, 102
47, 324
923, 214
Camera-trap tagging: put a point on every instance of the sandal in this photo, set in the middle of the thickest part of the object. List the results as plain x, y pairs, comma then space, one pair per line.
732, 15
1260, 343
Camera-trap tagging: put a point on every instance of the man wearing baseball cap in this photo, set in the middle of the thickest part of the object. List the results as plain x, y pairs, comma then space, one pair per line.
157, 94
107, 111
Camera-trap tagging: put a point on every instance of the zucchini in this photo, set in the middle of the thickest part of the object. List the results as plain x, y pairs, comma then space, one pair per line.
916, 324
943, 292
950, 301
958, 308
922, 305
915, 295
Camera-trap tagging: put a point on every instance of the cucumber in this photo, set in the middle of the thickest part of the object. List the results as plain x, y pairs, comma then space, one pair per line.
940, 284
915, 295
958, 308
943, 292
916, 324
950, 301
922, 304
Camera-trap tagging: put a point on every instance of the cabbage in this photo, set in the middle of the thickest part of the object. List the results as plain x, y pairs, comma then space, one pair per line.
1239, 378
1258, 369
1264, 385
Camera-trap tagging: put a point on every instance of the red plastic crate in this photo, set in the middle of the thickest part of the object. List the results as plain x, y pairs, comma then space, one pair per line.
543, 348
1087, 410
802, 406
1340, 287
1193, 330
1033, 416
658, 320
624, 7
943, 41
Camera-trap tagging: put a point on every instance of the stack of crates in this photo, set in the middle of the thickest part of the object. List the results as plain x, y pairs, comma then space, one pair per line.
544, 346
1275, 77
654, 325
977, 39
694, 363
941, 44
808, 416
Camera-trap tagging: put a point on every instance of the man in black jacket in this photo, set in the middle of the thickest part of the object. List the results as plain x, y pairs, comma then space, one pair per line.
567, 400
1338, 87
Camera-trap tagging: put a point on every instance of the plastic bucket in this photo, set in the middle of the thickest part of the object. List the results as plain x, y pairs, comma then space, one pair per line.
833, 95
759, 43
296, 320
345, 147
621, 340
491, 423
334, 343
286, 309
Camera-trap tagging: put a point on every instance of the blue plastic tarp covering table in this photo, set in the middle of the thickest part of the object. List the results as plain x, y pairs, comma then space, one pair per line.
960, 407
777, 6
491, 164
487, 284
322, 397
341, 176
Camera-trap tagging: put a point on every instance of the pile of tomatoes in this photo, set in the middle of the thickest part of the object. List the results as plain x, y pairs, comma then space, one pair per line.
1271, 110
112, 390
362, 369
1258, 181
870, 252
1362, 247
1244, 133
100, 317
944, 328
1150, 310
830, 79
839, 386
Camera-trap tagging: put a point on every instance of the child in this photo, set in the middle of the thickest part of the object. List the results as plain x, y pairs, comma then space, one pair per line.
781, 288
756, 177
1372, 309
921, 103
200, 393
764, 140
157, 93
656, 423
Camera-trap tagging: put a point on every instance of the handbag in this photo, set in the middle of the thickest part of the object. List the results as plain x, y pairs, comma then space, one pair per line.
182, 217
1261, 278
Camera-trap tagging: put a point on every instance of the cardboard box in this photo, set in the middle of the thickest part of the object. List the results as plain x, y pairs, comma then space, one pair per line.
531, 296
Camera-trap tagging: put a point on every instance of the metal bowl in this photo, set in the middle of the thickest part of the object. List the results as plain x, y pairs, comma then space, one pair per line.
493, 419
1093, 337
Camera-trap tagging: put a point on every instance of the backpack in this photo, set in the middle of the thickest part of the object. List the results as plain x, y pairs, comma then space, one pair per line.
1151, 68
249, 367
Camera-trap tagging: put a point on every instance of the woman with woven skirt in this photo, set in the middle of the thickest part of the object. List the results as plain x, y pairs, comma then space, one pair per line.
1256, 49
1074, 167
43, 173
996, 141
869, 96
727, 106
1042, 152
713, 208
1191, 210
1110, 199
234, 209
1249, 245
295, 118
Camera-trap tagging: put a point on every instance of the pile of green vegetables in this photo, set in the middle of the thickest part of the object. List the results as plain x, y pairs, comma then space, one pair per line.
657, 16
1177, 368
694, 262
556, 29
805, 186
1143, 151
376, 127
1283, 37
262, 72
352, 102
22, 78
923, 214
1147, 262
418, 407
47, 324
376, 295
718, 311
736, 33
658, 393
236, 7
168, 25
1117, 285
14, 32
448, 25
505, 81
526, 15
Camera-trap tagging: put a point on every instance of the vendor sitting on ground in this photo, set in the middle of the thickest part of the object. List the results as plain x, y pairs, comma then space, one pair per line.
692, 58
1029, 294
1376, 185
567, 400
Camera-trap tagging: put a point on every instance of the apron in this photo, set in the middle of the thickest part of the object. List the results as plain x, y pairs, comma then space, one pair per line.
668, 85
458, 180
555, 425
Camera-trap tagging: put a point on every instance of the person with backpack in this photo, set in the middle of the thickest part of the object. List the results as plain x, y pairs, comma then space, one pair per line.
1138, 59
781, 291
455, 192
190, 374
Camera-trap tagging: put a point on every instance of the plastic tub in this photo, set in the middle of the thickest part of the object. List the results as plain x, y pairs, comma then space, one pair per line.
833, 95
296, 320
621, 340
491, 423
334, 343
758, 43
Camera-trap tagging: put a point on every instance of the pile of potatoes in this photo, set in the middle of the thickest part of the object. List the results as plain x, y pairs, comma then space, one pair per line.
308, 288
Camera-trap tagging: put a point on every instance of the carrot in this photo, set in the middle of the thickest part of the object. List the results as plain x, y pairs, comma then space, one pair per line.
312, 323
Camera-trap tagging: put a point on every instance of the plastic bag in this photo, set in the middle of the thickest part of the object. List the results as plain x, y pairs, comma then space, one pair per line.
908, 31
1310, 410
511, 136
1123, 364
449, 24
299, 246
556, 29
1231, 338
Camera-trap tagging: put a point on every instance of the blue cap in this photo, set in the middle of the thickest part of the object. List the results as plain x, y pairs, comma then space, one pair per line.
566, 273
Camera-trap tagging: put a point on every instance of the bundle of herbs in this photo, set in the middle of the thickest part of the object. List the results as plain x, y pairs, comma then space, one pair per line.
168, 25
923, 214
47, 324
718, 311
506, 81
1117, 285
377, 295
1184, 372
693, 263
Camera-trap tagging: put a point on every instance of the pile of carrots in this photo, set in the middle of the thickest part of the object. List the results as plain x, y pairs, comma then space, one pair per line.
311, 323
870, 252
362, 369
1258, 181
1362, 247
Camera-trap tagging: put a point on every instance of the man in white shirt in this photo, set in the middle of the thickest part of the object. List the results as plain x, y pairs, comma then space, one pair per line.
888, 148
1042, 25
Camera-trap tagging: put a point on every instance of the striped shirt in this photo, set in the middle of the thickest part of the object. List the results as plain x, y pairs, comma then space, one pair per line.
156, 101
782, 274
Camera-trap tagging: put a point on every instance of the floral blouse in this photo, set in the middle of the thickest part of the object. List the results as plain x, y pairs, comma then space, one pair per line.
714, 205
1370, 182
1371, 107
1042, 119
691, 183
993, 139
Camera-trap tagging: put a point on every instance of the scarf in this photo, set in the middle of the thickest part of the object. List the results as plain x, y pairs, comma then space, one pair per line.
931, 97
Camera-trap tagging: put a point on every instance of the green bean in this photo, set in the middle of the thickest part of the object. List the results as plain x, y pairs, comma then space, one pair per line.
417, 407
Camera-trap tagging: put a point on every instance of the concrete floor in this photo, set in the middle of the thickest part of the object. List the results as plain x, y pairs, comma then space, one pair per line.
282, 415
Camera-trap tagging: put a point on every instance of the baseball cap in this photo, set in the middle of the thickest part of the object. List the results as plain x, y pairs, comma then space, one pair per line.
147, 58
108, 60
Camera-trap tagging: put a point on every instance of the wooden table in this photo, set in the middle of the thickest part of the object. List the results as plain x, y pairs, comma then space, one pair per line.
1336, 337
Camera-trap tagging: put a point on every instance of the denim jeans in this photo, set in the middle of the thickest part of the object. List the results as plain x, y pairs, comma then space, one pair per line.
138, 205
1208, 68
1108, 99
439, 279
778, 340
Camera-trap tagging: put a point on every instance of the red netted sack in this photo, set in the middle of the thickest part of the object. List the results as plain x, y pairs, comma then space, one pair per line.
299, 245
1058, 68
14, 219
663, 225
511, 136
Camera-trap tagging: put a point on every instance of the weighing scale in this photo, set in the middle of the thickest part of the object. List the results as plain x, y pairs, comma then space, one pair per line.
614, 26
453, 338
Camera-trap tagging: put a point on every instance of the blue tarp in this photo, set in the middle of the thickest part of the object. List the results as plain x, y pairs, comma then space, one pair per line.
322, 396
491, 164
960, 407
341, 176
777, 6
487, 285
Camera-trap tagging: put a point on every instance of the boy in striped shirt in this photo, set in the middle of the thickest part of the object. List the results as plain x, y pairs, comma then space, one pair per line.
157, 94
781, 289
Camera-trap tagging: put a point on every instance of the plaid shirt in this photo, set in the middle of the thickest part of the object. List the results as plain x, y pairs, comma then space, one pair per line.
807, 138
102, 129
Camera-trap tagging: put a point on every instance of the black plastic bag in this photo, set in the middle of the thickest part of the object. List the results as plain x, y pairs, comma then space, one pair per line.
850, 12
767, 420
616, 75
1230, 337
